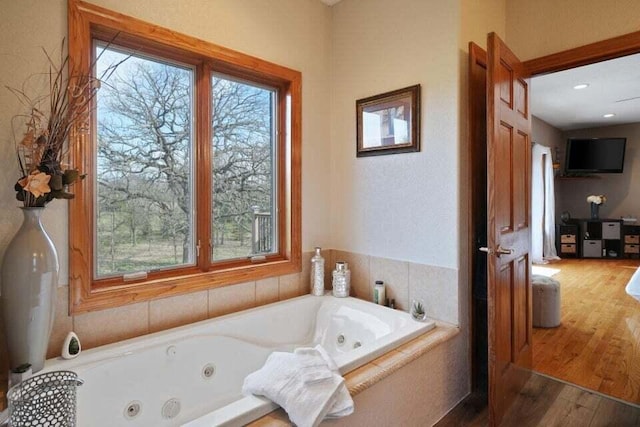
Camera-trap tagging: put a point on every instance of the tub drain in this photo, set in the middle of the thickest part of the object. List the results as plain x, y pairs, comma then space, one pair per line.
171, 408
208, 371
340, 339
132, 410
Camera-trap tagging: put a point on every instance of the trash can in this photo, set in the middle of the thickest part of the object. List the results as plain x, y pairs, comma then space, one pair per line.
47, 399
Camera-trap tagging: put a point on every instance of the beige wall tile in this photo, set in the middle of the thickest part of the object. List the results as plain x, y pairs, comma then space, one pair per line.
232, 298
390, 359
329, 265
363, 373
361, 284
62, 324
418, 394
437, 287
267, 291
108, 326
395, 275
289, 286
180, 310
305, 276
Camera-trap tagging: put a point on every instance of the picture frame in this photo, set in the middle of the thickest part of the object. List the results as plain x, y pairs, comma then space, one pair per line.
388, 123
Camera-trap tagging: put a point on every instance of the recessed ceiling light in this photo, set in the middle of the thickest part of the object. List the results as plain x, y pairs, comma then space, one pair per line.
606, 116
581, 86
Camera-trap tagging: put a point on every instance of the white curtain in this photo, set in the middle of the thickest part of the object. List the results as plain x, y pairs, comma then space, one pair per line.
543, 206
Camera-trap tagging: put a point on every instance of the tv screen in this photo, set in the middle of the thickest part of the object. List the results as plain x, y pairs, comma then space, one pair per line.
595, 155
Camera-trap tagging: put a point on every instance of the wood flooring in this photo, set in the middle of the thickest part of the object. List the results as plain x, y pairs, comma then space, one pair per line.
597, 345
545, 402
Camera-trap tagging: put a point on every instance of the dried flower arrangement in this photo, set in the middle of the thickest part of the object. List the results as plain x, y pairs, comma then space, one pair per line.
49, 120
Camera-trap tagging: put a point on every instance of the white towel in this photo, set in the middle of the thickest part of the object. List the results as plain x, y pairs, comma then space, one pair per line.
305, 383
315, 364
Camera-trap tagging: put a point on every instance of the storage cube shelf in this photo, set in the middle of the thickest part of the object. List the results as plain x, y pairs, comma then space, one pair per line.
631, 241
606, 238
567, 236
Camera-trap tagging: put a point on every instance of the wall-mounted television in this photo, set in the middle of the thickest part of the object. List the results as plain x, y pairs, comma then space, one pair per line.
594, 155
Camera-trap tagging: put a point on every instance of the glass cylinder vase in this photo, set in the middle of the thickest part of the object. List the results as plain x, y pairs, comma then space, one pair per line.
29, 281
341, 280
595, 210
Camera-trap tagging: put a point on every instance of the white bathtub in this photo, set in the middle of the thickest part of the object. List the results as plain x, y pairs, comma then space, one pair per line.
192, 375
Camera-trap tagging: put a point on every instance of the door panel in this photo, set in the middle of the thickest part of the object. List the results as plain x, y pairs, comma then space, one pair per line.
521, 155
522, 327
508, 184
503, 345
502, 199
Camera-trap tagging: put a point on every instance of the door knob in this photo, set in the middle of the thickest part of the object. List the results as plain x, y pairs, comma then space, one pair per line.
498, 252
504, 251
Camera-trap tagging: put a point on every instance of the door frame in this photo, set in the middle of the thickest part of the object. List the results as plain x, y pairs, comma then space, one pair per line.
612, 48
616, 47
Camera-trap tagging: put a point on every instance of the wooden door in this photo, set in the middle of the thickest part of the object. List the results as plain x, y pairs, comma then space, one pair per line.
508, 232
477, 178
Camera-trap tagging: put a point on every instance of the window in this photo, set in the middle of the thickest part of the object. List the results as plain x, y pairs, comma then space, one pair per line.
192, 163
244, 176
144, 165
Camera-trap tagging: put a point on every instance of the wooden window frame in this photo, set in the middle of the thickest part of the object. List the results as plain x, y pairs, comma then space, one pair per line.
88, 22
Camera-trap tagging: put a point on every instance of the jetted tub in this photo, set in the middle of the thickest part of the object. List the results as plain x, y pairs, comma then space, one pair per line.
193, 375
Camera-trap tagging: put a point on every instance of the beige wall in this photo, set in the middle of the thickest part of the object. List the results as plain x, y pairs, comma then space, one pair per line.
384, 213
545, 134
542, 27
622, 190
293, 33
402, 206
403, 218
478, 18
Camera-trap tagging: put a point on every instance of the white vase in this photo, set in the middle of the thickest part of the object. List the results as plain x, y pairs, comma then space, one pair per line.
29, 281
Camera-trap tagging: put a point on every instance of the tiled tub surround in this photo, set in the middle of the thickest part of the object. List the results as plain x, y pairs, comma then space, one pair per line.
130, 321
436, 286
171, 366
414, 385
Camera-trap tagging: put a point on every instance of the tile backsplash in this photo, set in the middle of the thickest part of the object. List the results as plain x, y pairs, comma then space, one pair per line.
436, 286
129, 321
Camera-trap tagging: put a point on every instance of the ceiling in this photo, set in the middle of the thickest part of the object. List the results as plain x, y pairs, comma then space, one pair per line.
614, 87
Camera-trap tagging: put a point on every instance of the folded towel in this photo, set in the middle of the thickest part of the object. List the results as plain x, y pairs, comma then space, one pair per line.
315, 364
305, 383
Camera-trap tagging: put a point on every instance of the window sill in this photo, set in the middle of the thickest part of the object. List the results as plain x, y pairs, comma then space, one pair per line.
86, 298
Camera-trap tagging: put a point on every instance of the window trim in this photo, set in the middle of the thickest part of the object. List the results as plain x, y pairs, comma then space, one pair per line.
86, 22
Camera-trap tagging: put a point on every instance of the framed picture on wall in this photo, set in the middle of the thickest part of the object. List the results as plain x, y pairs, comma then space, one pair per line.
388, 123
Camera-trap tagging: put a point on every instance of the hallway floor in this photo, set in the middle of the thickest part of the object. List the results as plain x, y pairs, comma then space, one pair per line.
545, 402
